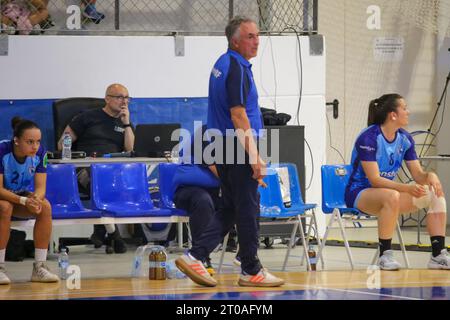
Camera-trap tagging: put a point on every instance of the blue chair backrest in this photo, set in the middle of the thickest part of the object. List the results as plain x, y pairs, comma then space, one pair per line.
62, 187
165, 181
119, 183
334, 181
270, 197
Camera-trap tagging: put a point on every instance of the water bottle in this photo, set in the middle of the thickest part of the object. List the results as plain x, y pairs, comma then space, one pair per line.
312, 258
172, 270
136, 269
63, 263
67, 147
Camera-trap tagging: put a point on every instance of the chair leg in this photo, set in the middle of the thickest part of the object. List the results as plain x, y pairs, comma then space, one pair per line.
305, 248
307, 240
308, 233
402, 245
180, 235
189, 235
325, 236
224, 248
291, 241
317, 234
347, 246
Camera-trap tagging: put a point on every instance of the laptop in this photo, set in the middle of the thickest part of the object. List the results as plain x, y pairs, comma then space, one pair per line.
154, 140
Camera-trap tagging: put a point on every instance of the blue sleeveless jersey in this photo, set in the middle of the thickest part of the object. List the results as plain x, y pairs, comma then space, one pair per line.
17, 176
371, 145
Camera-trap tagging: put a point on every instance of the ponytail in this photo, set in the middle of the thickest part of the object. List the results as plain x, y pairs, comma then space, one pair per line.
381, 107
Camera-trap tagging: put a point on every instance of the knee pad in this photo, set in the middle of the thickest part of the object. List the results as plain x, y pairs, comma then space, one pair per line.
424, 201
431, 201
438, 204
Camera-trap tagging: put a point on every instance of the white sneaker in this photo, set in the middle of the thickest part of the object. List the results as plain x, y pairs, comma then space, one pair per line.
262, 279
442, 261
3, 277
41, 273
195, 270
387, 261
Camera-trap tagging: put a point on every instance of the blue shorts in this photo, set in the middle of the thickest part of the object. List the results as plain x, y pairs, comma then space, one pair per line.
352, 196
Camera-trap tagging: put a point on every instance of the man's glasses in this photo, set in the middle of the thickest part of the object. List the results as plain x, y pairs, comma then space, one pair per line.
120, 97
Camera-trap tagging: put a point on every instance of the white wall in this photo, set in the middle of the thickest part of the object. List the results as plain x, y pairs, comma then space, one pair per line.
67, 66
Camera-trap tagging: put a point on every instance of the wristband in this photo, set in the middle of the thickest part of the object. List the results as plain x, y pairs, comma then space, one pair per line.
23, 200
126, 125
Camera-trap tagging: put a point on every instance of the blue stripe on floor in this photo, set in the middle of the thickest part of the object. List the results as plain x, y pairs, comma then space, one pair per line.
428, 293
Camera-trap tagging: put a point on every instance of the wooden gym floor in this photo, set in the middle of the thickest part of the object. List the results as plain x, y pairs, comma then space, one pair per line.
108, 277
321, 285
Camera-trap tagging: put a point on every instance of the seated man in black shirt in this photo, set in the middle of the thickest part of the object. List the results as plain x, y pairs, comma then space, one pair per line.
101, 131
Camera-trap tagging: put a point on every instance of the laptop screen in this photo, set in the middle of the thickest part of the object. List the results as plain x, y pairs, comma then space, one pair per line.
154, 140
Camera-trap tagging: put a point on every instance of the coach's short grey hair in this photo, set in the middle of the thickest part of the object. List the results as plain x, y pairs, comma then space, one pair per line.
233, 26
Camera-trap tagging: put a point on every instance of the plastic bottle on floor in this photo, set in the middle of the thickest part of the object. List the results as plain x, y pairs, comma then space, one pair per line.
63, 263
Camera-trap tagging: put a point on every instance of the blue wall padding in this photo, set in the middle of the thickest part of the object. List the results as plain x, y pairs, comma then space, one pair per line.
39, 111
143, 110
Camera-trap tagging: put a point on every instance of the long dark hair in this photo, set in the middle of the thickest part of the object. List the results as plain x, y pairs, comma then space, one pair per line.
381, 107
19, 126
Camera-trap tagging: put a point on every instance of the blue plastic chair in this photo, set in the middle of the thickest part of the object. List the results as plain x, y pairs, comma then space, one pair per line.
271, 198
121, 190
166, 187
62, 193
334, 182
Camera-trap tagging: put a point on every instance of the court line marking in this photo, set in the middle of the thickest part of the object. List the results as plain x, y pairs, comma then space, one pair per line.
164, 291
144, 292
371, 293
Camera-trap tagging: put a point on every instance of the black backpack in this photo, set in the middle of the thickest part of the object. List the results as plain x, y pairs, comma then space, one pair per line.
272, 118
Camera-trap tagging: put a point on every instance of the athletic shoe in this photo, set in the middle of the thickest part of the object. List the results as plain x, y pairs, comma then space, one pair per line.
237, 261
109, 249
115, 242
119, 246
3, 277
262, 279
91, 13
98, 237
209, 267
195, 270
442, 261
387, 261
41, 273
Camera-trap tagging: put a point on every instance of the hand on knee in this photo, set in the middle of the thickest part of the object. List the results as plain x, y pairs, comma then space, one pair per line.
434, 203
45, 210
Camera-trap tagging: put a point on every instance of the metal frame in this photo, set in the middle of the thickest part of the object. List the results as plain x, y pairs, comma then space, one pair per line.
297, 223
107, 220
337, 215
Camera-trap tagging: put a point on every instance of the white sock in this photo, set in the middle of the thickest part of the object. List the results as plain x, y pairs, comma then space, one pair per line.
110, 228
2, 255
40, 255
